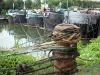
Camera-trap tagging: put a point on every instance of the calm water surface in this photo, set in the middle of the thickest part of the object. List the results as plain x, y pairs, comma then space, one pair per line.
12, 34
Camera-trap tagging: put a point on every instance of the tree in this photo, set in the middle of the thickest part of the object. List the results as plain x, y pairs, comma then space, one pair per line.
19, 4
53, 3
36, 4
1, 1
8, 4
28, 4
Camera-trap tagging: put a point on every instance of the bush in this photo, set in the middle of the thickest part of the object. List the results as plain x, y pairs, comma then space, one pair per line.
91, 52
11, 61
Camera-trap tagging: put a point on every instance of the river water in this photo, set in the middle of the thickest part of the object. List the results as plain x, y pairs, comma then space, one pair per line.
12, 35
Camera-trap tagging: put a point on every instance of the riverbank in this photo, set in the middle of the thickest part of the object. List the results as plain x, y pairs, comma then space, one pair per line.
88, 63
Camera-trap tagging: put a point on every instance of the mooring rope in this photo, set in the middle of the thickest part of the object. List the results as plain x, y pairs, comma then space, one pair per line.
86, 59
42, 48
39, 33
41, 37
35, 39
24, 29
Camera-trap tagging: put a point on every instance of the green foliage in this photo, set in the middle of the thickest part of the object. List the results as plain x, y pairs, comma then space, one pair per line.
11, 61
82, 3
18, 4
95, 40
89, 52
16, 44
53, 3
4, 13
8, 4
28, 4
36, 4
1, 5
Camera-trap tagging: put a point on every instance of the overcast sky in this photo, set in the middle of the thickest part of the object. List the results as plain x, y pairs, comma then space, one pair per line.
91, 0
95, 0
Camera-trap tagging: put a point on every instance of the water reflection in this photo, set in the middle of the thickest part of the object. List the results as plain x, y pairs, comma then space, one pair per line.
5, 39
10, 34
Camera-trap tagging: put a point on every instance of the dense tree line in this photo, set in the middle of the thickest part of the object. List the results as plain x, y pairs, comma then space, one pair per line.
80, 3
8, 4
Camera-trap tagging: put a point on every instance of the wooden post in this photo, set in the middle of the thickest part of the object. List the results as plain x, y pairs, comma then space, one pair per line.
65, 66
66, 35
10, 19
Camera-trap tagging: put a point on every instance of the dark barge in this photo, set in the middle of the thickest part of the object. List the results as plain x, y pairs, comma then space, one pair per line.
52, 20
88, 23
3, 20
17, 19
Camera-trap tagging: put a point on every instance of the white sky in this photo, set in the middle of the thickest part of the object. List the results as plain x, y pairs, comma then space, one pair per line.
43, 0
91, 0
95, 0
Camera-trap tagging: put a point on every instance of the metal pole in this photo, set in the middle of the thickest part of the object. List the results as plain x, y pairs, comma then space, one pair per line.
13, 5
68, 16
68, 12
45, 1
24, 4
67, 4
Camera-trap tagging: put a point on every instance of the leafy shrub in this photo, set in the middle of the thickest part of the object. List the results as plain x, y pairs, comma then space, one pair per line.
90, 52
11, 61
